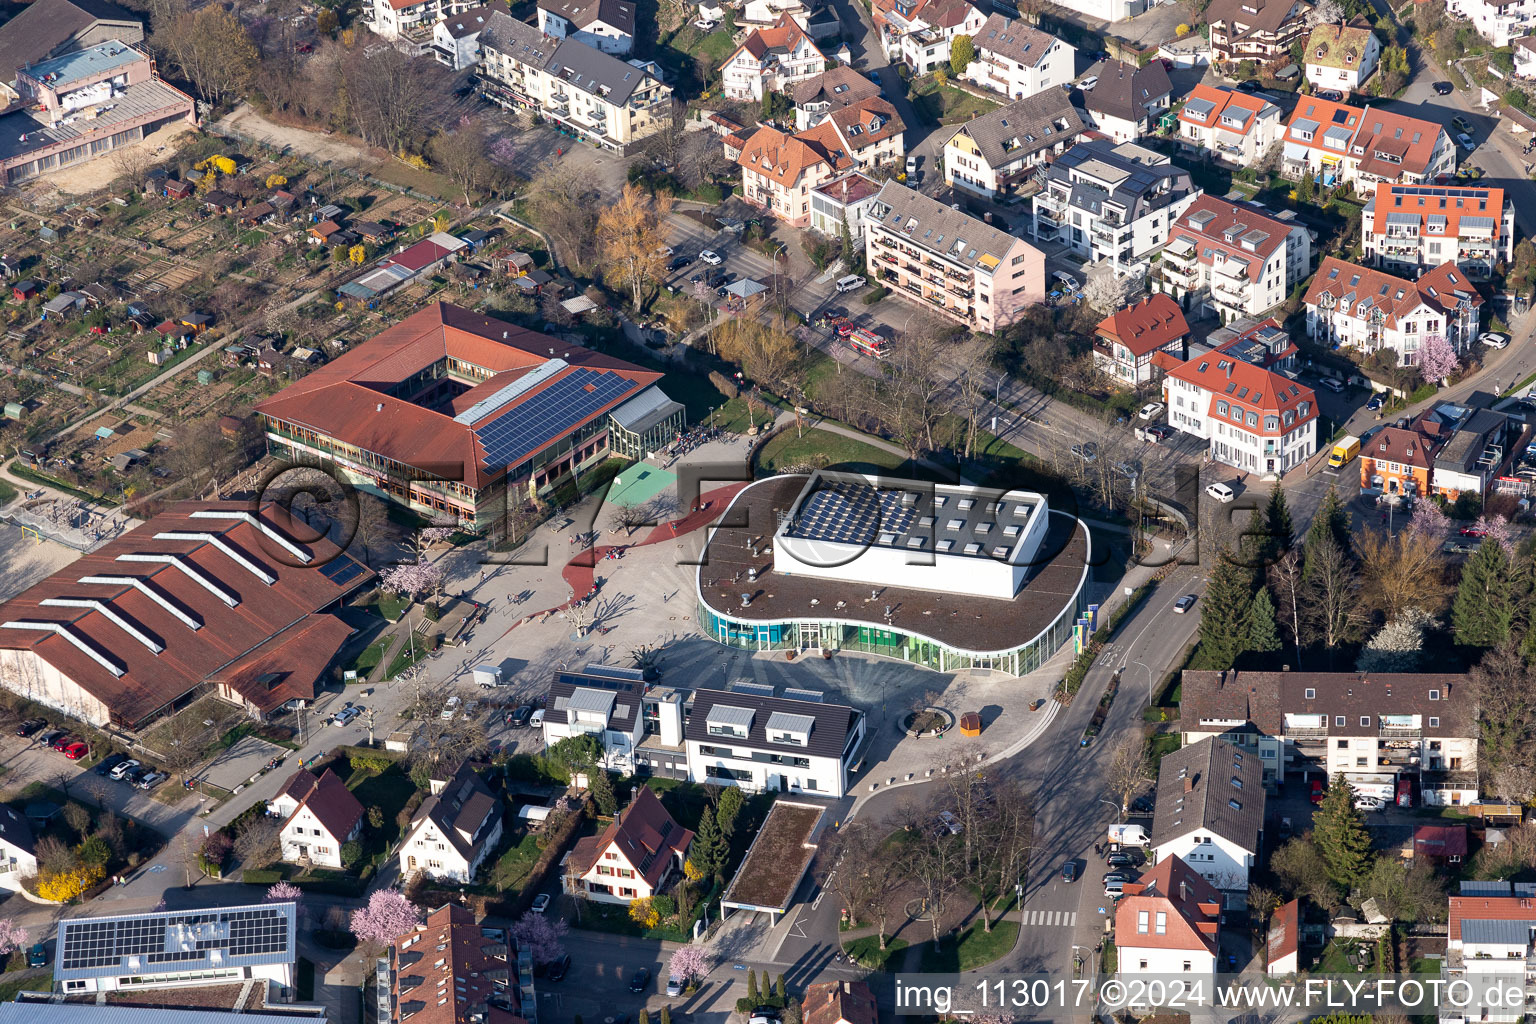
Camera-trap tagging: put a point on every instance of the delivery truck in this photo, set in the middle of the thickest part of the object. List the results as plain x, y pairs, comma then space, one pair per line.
1345, 449
1128, 835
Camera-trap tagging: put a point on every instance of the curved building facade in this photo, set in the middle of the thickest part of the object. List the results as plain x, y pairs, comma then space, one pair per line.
934, 575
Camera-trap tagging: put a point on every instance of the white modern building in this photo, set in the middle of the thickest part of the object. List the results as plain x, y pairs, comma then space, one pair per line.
1111, 202
918, 33
737, 738
456, 39
839, 204
454, 830
1210, 813
1500, 22
1018, 60
1408, 229
177, 949
1367, 309
1335, 143
1491, 944
607, 25
18, 853
601, 701
1233, 258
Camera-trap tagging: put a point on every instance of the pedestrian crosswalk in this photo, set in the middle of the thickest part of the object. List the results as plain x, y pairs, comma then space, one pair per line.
1050, 918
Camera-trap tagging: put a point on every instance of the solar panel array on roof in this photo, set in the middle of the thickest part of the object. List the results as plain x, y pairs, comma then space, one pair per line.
616, 672
754, 688
163, 942
793, 693
851, 513
1497, 887
595, 682
1512, 933
341, 569
546, 415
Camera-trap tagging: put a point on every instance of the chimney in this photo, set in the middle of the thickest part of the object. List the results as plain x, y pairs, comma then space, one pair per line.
831, 995
1189, 784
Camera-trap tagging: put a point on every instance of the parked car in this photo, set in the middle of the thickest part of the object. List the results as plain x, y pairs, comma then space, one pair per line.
1087, 451
1141, 805
449, 709
1443, 88
122, 768
540, 903
558, 969
1069, 871
1369, 803
1151, 411
64, 742
30, 726
674, 985
1494, 339
1221, 492
136, 775
521, 716
1185, 603
1120, 860
537, 721
946, 822
1466, 142
49, 736
640, 980
1088, 83
1461, 124
1476, 532
1249, 86
1376, 401
711, 257
679, 262
75, 751
151, 779
1286, 828
1119, 876
37, 956
1317, 791
108, 763
1333, 384
345, 715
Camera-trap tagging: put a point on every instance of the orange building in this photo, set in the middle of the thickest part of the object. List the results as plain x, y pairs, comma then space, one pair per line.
1397, 460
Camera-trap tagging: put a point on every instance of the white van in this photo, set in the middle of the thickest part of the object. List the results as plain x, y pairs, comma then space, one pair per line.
849, 283
1128, 834
1221, 492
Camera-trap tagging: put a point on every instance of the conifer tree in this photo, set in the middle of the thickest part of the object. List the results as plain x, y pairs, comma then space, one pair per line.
1338, 830
1489, 596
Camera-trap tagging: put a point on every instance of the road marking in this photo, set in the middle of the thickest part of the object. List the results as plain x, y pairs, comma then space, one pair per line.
1051, 918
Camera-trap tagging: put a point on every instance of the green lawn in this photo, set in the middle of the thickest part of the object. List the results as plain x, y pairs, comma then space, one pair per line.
867, 953
513, 865
39, 980
368, 658
973, 948
388, 791
8, 493
1164, 743
946, 104
734, 416
818, 447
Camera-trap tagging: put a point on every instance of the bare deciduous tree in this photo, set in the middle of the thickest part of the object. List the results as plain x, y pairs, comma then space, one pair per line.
1130, 769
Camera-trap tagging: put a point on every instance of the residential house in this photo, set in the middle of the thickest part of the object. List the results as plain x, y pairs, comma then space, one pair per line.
1127, 101
449, 970
1490, 941
779, 171
1210, 813
456, 39
411, 22
1111, 202
634, 858
79, 106
18, 849
1256, 30
1500, 22
839, 1002
1480, 448
960, 267
599, 701
771, 60
1233, 258
319, 816
838, 205
1254, 418
1335, 143
327, 232
766, 13
1410, 228
1230, 127
1342, 56
919, 33
782, 744
592, 95
1375, 729
1126, 341
992, 155
454, 830
1441, 845
1525, 57
869, 131
818, 96
1168, 922
50, 28
1367, 309
1399, 460
1017, 59
608, 25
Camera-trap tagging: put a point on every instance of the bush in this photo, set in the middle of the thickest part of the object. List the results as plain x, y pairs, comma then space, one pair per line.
351, 853
261, 876
879, 291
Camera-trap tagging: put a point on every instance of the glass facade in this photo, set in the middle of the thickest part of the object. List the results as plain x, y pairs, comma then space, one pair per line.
833, 634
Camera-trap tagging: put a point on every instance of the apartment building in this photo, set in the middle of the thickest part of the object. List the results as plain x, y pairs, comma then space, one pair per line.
839, 87
1209, 813
1017, 59
779, 171
1127, 101
1374, 729
839, 205
607, 25
1410, 228
1500, 22
456, 40
1338, 144
771, 60
960, 267
918, 33
1168, 922
1227, 126
79, 106
1256, 30
1125, 342
992, 155
411, 22
1479, 448
1254, 418
1342, 56
1490, 943
1111, 202
1233, 258
594, 96
450, 970
1367, 309
761, 743
1525, 57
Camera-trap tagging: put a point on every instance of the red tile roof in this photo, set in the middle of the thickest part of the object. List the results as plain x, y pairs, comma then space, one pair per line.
644, 834
1371, 130
348, 397
1440, 841
420, 256
181, 599
839, 1002
1488, 908
1450, 202
1284, 932
1222, 100
1343, 287
328, 798
783, 159
1240, 232
785, 34
1148, 326
1248, 388
1192, 906
876, 120
1402, 445
474, 971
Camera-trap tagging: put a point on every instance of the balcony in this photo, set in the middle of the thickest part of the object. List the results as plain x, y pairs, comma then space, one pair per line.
1402, 731
1109, 234
1049, 202
1306, 734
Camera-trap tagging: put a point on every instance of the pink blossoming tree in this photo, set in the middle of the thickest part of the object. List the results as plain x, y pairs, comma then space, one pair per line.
1437, 360
387, 916
541, 936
